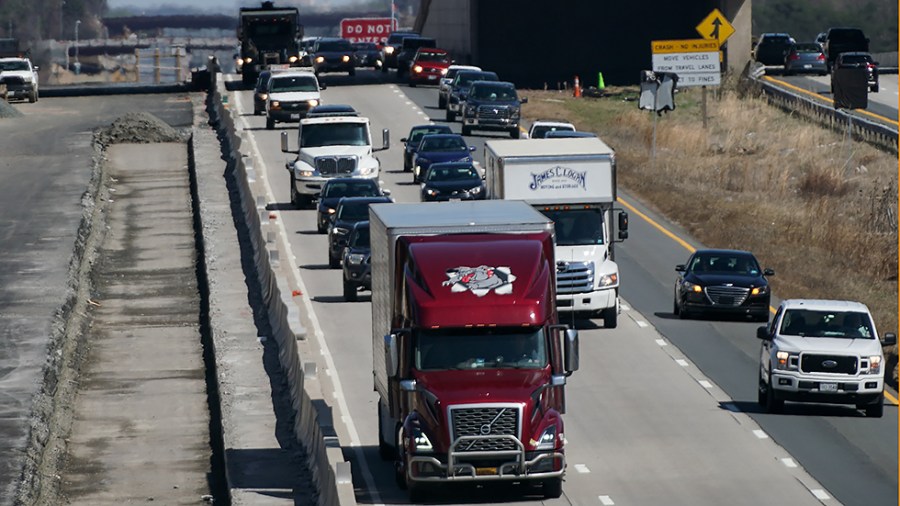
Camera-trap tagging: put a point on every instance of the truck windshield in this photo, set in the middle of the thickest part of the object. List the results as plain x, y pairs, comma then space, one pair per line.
833, 324
579, 227
333, 134
13, 65
494, 348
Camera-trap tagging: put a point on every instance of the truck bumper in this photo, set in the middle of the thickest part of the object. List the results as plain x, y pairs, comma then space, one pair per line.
492, 124
19, 91
826, 389
590, 302
519, 466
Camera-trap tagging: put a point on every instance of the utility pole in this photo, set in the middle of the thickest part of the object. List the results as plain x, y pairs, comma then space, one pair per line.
77, 63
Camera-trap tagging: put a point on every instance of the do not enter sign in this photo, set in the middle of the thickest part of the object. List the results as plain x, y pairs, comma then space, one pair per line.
366, 29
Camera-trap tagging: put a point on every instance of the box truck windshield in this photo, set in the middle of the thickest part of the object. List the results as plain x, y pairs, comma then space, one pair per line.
576, 227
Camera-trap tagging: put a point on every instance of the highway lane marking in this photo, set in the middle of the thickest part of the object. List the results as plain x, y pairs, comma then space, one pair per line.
692, 249
314, 321
820, 494
624, 307
661, 342
642, 324
829, 101
581, 468
789, 463
681, 362
705, 384
760, 434
605, 500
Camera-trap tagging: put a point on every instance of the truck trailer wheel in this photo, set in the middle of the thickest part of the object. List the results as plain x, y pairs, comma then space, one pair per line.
553, 488
610, 317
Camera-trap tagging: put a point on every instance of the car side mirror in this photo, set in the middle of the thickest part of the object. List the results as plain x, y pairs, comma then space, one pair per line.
386, 192
889, 339
403, 140
472, 148
36, 68
323, 86
679, 268
763, 333
524, 100
769, 272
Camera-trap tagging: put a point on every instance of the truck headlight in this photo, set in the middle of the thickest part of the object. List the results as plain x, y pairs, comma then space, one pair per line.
368, 171
874, 364
275, 105
470, 110
787, 361
443, 72
761, 290
515, 113
608, 279
320, 59
420, 441
345, 58
248, 60
388, 50
304, 173
293, 59
547, 441
313, 102
355, 258
263, 96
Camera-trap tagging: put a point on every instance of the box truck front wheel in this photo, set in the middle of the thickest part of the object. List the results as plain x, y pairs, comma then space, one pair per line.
610, 317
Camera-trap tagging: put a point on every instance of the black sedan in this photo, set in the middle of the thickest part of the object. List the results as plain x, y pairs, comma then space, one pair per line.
722, 282
357, 261
338, 188
411, 142
261, 92
349, 211
452, 181
366, 54
333, 55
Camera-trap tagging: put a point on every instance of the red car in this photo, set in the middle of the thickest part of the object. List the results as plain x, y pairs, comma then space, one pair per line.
428, 66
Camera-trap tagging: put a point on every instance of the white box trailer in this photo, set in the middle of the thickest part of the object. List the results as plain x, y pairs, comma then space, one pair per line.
572, 182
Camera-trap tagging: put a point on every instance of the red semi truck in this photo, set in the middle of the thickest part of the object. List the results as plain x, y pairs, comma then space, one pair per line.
469, 360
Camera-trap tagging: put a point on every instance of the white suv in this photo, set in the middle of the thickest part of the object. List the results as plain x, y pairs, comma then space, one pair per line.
540, 128
20, 78
824, 351
291, 95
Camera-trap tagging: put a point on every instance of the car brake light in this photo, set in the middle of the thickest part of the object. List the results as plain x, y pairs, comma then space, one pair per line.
821, 57
794, 56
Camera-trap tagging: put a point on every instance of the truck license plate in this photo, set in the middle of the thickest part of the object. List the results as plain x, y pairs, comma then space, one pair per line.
828, 387
485, 471
295, 116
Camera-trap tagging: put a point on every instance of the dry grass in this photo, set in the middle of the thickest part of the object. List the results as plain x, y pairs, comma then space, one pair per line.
820, 210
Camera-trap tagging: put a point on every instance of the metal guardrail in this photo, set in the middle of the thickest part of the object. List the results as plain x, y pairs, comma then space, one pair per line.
823, 112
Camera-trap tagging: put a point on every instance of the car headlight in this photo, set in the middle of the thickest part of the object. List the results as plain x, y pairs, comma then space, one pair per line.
263, 96
691, 287
320, 59
608, 279
275, 105
417, 69
443, 72
421, 443
874, 364
761, 290
292, 59
355, 258
248, 60
388, 50
547, 441
787, 361
430, 192
330, 210
313, 102
345, 58
476, 190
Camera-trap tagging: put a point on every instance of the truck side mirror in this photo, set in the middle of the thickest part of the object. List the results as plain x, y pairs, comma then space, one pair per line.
284, 142
763, 333
889, 339
323, 86
769, 272
571, 347
524, 100
392, 358
385, 139
623, 220
679, 268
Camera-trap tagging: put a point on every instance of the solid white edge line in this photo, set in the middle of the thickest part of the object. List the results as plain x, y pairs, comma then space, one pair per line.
581, 468
314, 321
705, 384
820, 494
605, 500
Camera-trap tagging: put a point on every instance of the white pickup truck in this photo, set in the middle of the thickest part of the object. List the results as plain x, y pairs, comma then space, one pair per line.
825, 351
328, 147
20, 78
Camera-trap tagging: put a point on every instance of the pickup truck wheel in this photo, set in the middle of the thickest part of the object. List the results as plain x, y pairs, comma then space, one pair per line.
761, 391
515, 133
875, 409
333, 262
610, 319
350, 293
32, 97
773, 403
442, 103
270, 124
450, 116
874, 88
553, 488
683, 314
466, 130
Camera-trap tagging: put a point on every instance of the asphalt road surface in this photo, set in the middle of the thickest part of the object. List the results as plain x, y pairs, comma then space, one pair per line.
882, 105
662, 411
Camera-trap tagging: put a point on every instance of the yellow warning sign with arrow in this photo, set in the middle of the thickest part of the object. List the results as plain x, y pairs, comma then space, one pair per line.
715, 26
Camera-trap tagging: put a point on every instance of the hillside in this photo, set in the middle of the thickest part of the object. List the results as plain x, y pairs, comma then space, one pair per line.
803, 19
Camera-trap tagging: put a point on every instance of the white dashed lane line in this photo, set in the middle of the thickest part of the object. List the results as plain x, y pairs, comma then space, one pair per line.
820, 494
581, 468
705, 384
642, 324
605, 500
661, 342
760, 434
681, 362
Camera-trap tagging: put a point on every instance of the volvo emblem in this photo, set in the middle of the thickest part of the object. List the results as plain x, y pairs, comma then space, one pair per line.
562, 266
829, 364
485, 429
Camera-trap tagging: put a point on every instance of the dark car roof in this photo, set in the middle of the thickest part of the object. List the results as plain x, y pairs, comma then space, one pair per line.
442, 136
722, 252
366, 200
430, 127
452, 165
332, 110
336, 180
558, 134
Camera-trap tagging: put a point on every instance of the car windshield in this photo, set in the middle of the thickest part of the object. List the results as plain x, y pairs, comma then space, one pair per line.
450, 144
262, 84
416, 135
577, 227
807, 48
294, 83
835, 324
335, 46
725, 263
354, 189
13, 65
433, 57
333, 134
854, 59
360, 238
494, 348
540, 131
463, 173
353, 211
396, 38
493, 92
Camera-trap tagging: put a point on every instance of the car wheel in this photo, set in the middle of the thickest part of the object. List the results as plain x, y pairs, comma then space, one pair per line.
270, 124
384, 69
349, 291
415, 178
32, 97
442, 103
321, 228
773, 403
683, 314
874, 88
406, 165
552, 488
333, 262
466, 130
412, 84
450, 116
256, 112
610, 317
295, 197
761, 391
875, 409
675, 309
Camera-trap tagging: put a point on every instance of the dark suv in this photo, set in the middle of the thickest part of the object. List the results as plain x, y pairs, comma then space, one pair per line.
391, 49
349, 211
843, 40
492, 106
860, 60
408, 51
459, 88
336, 189
772, 48
357, 261
333, 55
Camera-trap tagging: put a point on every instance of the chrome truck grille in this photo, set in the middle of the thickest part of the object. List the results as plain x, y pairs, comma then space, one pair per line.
574, 277
485, 421
491, 112
727, 295
335, 165
834, 364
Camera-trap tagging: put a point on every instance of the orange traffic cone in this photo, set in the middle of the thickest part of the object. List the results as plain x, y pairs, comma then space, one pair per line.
577, 88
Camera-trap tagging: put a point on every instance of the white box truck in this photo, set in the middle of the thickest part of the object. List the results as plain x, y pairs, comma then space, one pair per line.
572, 182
